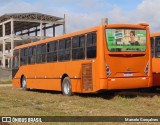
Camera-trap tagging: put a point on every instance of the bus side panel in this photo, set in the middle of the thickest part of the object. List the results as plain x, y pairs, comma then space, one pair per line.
16, 83
45, 84
74, 71
155, 65
48, 76
76, 85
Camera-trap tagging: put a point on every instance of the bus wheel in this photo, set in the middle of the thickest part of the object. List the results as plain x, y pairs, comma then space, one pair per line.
66, 87
24, 83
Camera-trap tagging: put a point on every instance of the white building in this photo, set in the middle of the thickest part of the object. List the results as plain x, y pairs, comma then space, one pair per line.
22, 28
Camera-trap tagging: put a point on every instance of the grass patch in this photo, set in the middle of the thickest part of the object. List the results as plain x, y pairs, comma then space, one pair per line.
5, 82
16, 102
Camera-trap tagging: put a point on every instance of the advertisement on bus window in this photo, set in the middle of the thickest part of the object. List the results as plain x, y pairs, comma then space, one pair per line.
125, 40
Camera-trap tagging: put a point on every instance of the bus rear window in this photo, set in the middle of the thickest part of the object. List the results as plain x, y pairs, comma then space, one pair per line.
126, 40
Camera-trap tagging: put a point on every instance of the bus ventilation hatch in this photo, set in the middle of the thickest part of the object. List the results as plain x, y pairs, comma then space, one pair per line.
87, 82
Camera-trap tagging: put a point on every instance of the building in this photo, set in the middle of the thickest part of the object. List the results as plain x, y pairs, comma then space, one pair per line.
21, 28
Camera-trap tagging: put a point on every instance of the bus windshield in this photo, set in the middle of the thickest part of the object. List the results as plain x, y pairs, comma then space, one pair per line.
126, 40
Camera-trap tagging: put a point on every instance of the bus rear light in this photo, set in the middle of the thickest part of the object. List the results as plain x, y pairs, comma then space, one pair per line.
144, 78
146, 69
93, 61
108, 71
113, 80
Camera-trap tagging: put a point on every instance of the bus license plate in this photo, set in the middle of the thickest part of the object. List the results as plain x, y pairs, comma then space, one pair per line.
128, 74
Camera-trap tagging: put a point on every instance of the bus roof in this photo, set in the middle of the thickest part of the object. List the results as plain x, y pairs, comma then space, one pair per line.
155, 34
81, 32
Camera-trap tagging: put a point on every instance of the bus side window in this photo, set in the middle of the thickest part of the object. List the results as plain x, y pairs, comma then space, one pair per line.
67, 49
43, 53
61, 50
15, 59
64, 49
157, 47
152, 46
81, 47
78, 45
23, 56
33, 61
31, 55
52, 51
38, 54
91, 45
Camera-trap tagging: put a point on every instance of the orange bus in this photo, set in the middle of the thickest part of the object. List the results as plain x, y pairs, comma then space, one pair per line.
106, 57
155, 44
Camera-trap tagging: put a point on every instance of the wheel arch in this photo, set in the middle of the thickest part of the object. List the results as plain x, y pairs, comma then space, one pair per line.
21, 79
63, 76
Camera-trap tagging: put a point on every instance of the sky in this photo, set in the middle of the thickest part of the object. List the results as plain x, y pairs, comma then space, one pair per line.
81, 14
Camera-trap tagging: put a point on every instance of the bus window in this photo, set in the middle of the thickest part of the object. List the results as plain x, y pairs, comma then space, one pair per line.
91, 45
23, 58
78, 43
61, 50
16, 59
31, 55
157, 47
64, 49
52, 52
126, 40
38, 55
67, 49
41, 53
75, 42
152, 46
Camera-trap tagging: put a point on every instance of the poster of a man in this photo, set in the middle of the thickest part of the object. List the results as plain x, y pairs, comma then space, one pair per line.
132, 39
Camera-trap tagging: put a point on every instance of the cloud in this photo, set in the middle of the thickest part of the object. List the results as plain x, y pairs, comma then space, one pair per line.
5, 1
81, 14
148, 10
18, 8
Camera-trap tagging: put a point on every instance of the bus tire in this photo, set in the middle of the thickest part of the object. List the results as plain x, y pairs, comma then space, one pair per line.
24, 83
67, 87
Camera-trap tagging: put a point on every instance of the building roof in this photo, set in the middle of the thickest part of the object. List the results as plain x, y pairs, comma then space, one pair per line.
25, 21
29, 16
